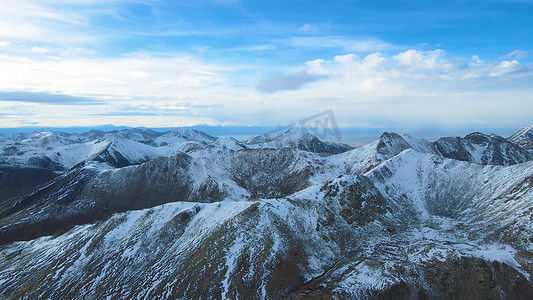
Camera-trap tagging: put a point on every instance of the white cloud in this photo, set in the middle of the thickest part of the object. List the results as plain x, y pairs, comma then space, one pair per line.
39, 50
3, 44
416, 88
421, 60
411, 71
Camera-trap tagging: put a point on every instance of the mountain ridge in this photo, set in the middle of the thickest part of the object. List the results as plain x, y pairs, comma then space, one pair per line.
278, 220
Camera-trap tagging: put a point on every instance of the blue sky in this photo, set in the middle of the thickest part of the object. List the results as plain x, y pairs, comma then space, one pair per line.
385, 64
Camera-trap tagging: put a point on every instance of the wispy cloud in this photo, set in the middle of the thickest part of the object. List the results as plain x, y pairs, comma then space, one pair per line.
343, 43
312, 29
265, 47
517, 54
27, 20
126, 113
304, 28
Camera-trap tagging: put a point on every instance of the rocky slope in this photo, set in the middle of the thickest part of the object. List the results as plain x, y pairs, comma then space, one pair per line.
273, 218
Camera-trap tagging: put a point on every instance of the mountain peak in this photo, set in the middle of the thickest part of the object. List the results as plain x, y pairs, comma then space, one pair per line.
390, 144
292, 133
480, 138
482, 148
297, 131
523, 137
296, 138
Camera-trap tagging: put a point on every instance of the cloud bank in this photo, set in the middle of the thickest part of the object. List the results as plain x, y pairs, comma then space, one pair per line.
285, 82
46, 98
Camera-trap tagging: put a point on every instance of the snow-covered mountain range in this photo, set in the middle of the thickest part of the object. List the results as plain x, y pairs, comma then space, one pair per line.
139, 214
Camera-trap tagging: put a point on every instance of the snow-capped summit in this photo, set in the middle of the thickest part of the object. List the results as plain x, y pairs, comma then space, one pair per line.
523, 138
292, 135
145, 136
183, 135
53, 139
62, 150
229, 143
296, 138
388, 145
